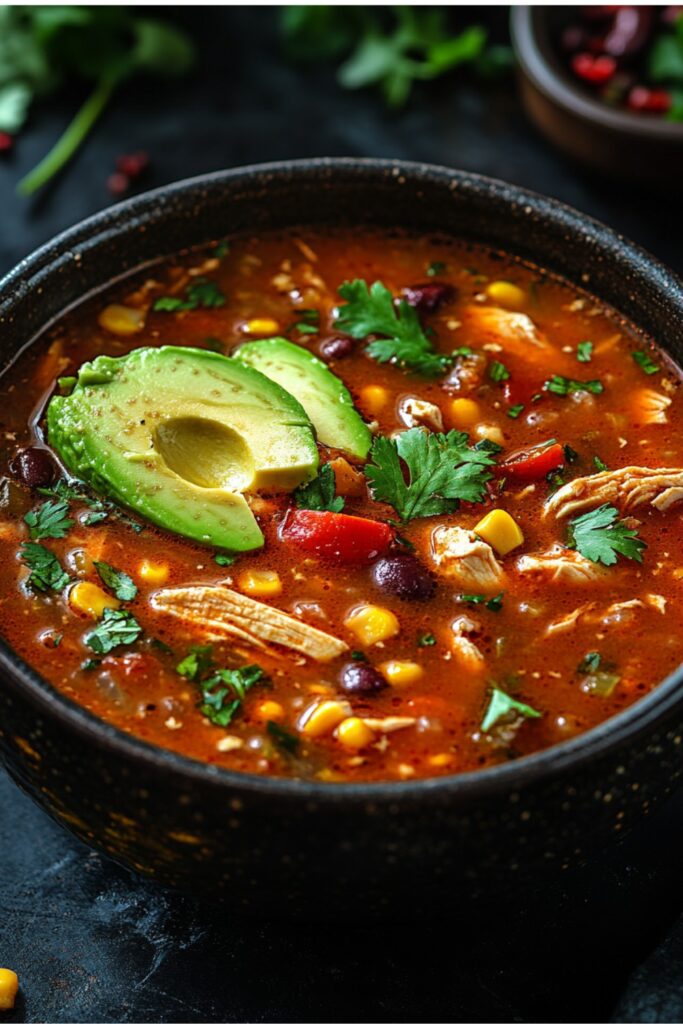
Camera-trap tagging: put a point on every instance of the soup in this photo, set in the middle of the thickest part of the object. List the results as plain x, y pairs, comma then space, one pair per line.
347, 507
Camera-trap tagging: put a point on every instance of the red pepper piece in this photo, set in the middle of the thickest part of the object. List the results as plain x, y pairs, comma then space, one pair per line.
6, 142
649, 101
341, 538
533, 463
596, 70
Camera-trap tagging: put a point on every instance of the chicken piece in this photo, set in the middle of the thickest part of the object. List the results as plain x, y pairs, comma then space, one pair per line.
626, 488
650, 406
567, 622
561, 565
462, 556
467, 375
390, 724
516, 332
219, 614
415, 413
466, 651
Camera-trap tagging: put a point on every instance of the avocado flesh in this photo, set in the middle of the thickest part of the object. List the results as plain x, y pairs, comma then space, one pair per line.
178, 434
324, 397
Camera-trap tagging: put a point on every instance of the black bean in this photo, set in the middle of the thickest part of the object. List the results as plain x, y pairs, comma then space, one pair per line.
336, 348
404, 576
426, 298
34, 467
357, 677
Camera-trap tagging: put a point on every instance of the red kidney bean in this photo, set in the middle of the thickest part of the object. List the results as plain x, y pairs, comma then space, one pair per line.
649, 101
359, 678
629, 32
336, 348
426, 298
404, 576
596, 70
34, 467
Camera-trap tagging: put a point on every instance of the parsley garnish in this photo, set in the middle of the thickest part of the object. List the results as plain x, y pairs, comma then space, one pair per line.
403, 342
493, 604
498, 372
116, 627
51, 519
600, 536
319, 493
584, 351
442, 471
223, 559
46, 571
646, 364
567, 386
283, 739
589, 663
200, 293
500, 705
426, 640
435, 268
197, 663
515, 410
224, 691
118, 581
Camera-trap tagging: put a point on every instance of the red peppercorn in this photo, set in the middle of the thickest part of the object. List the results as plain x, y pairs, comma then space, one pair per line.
6, 142
118, 183
649, 101
596, 70
132, 164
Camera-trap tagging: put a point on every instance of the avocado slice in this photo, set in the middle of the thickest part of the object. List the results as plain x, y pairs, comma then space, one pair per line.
326, 400
178, 434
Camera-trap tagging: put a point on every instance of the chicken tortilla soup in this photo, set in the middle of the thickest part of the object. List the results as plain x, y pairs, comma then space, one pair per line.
344, 506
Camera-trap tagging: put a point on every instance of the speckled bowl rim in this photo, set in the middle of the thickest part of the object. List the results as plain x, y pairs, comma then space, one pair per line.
611, 736
558, 87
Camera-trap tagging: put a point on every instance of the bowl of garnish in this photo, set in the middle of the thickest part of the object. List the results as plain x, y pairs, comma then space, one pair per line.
605, 85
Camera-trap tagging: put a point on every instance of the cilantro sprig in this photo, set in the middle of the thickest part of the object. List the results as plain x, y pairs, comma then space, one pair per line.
46, 570
319, 494
442, 471
51, 519
601, 536
402, 340
492, 604
559, 385
201, 293
222, 690
500, 705
116, 627
647, 365
117, 580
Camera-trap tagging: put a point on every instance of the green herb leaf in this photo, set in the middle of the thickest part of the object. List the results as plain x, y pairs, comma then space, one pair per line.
567, 386
223, 559
46, 571
498, 372
501, 705
601, 536
442, 471
584, 351
589, 663
224, 692
319, 493
403, 342
116, 627
515, 410
201, 293
308, 322
358, 656
286, 741
426, 640
493, 604
646, 364
197, 662
436, 268
599, 464
570, 454
116, 580
51, 519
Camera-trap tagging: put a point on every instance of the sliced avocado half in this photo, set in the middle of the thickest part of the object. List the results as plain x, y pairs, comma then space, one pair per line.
178, 434
324, 397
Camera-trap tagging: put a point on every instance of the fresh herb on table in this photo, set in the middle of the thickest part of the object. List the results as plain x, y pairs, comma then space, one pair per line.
46, 570
373, 311
493, 604
426, 640
201, 293
116, 627
498, 372
42, 48
118, 581
319, 493
442, 471
584, 351
646, 364
601, 536
225, 690
286, 741
589, 663
51, 519
567, 386
501, 705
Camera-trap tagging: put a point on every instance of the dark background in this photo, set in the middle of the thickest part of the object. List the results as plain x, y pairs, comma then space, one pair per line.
92, 943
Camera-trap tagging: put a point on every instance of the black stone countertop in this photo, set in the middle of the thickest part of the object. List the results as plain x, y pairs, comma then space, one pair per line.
92, 943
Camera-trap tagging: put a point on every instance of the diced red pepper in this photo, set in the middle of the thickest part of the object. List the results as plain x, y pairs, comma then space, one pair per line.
649, 101
341, 538
532, 463
596, 70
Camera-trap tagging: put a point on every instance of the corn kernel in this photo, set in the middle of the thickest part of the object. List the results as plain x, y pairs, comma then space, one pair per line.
500, 530
440, 760
465, 412
401, 673
489, 432
260, 583
121, 320
354, 734
370, 624
9, 986
270, 711
91, 600
373, 399
322, 718
506, 294
263, 325
153, 572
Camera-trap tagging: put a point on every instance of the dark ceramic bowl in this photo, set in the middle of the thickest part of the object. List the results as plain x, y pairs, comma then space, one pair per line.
626, 146
280, 846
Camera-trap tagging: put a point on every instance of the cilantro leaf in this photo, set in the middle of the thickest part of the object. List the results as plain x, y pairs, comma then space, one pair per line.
118, 581
319, 493
197, 663
200, 293
222, 559
51, 519
286, 741
403, 342
493, 604
646, 364
567, 386
224, 691
584, 351
600, 536
46, 571
442, 471
515, 410
426, 640
116, 627
589, 663
500, 705
599, 464
498, 372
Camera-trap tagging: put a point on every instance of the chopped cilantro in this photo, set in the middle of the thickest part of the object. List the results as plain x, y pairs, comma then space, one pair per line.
646, 364
570, 455
462, 352
116, 627
599, 464
222, 559
200, 293
435, 268
319, 493
90, 664
584, 351
402, 340
500, 705
589, 663
46, 571
600, 536
426, 640
93, 518
118, 581
221, 250
442, 471
567, 386
224, 691
493, 604
51, 519
498, 372
309, 322
197, 663
554, 479
282, 738
515, 410
358, 656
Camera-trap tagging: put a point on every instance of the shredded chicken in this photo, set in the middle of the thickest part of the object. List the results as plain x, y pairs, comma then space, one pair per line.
650, 406
516, 331
219, 613
466, 651
562, 566
567, 622
467, 559
616, 614
415, 413
389, 724
627, 488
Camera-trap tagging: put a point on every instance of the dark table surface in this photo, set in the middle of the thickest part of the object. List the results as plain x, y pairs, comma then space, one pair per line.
92, 943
